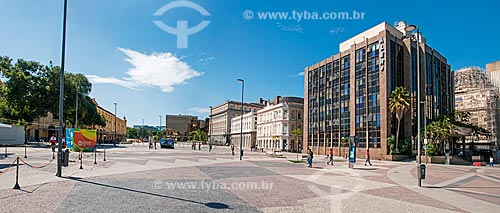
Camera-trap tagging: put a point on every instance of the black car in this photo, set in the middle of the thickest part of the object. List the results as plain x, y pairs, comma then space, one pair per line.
167, 143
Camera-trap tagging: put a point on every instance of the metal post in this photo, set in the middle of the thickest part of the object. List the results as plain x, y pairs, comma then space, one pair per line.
5, 150
104, 154
241, 118
25, 151
81, 160
76, 107
114, 136
419, 143
95, 156
16, 186
61, 94
210, 127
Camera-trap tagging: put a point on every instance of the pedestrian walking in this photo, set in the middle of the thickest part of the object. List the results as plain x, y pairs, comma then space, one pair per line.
199, 146
330, 156
368, 156
155, 144
193, 146
491, 161
53, 141
209, 147
309, 157
232, 149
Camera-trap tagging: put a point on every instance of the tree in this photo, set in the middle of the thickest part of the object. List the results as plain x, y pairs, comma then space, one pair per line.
21, 94
297, 134
197, 135
399, 102
440, 130
132, 133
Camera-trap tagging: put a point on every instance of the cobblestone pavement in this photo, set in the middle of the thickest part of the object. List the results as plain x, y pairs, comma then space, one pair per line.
136, 179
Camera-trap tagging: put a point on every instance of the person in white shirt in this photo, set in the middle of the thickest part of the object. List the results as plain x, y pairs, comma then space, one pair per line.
491, 161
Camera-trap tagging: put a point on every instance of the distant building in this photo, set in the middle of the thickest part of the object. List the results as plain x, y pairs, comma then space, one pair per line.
106, 134
220, 119
493, 71
474, 93
277, 120
182, 124
249, 131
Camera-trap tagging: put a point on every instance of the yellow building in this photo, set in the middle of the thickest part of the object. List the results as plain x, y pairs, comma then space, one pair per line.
105, 134
42, 128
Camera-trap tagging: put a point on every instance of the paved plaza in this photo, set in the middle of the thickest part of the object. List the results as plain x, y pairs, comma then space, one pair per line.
136, 179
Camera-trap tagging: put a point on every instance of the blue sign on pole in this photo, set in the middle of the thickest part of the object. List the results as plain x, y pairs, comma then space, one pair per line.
352, 149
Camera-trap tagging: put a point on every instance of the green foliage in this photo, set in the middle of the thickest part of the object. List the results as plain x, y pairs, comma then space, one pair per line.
198, 135
31, 91
404, 146
431, 151
132, 133
399, 103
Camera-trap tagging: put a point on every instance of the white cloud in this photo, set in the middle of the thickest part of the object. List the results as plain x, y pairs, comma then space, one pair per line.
162, 70
208, 59
200, 110
293, 28
300, 74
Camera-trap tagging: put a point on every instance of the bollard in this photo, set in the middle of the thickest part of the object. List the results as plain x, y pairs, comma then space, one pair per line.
5, 150
95, 156
104, 153
25, 151
81, 160
17, 175
53, 156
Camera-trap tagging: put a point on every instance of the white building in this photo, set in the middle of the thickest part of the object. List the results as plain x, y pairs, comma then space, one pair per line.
276, 122
220, 119
249, 130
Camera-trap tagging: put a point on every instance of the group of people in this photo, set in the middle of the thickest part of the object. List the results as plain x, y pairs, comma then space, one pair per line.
53, 142
193, 146
310, 156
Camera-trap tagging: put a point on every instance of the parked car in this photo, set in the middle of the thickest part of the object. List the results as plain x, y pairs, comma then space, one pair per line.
167, 143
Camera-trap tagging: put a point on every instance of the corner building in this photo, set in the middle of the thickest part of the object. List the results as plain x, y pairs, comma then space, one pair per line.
347, 94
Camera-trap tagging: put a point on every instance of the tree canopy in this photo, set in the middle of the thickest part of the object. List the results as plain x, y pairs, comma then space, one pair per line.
31, 90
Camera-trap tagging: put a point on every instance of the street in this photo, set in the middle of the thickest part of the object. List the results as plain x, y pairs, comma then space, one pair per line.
135, 178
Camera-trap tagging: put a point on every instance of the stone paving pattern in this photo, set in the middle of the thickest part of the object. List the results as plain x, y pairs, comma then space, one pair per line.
136, 179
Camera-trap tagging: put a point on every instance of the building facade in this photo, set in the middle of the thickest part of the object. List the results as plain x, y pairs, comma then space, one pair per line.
277, 121
347, 94
220, 119
181, 123
474, 93
106, 134
249, 131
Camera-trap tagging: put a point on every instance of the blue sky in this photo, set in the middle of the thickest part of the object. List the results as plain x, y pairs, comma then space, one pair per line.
136, 64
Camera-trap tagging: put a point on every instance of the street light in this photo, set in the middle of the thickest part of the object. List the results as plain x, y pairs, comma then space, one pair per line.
411, 28
241, 118
76, 107
114, 136
61, 94
160, 129
210, 127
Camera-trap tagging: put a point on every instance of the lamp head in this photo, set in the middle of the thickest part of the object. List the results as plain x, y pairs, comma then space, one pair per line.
240, 80
410, 28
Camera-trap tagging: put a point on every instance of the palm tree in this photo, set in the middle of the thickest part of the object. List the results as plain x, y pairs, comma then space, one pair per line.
399, 102
297, 134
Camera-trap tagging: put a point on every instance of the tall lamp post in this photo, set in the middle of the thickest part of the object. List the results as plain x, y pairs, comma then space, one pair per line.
411, 28
61, 94
114, 137
241, 118
76, 107
210, 123
159, 137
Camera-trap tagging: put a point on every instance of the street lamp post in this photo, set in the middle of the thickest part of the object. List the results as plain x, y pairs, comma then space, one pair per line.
411, 28
160, 129
210, 127
76, 107
241, 118
114, 136
61, 94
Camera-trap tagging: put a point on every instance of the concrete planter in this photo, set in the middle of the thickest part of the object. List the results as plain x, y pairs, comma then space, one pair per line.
396, 157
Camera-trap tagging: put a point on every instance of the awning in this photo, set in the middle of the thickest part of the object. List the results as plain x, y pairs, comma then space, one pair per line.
5, 125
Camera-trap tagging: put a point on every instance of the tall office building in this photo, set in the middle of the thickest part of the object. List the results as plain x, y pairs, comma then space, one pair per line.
347, 94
